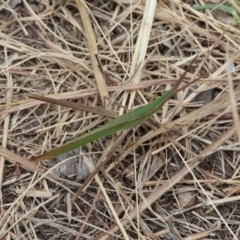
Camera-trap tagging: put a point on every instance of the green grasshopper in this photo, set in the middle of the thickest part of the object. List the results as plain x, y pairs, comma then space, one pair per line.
128, 120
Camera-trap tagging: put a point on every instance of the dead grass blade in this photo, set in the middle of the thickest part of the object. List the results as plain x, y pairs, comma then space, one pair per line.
93, 51
12, 157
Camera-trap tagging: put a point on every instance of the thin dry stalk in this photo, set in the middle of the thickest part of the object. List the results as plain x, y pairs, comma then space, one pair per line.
93, 52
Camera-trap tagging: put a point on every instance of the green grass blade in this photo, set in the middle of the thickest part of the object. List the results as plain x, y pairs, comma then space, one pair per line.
225, 8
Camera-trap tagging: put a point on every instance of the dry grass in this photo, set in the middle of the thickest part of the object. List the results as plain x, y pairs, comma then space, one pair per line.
187, 151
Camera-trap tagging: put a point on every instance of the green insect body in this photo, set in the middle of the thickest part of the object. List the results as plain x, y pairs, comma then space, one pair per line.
128, 120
